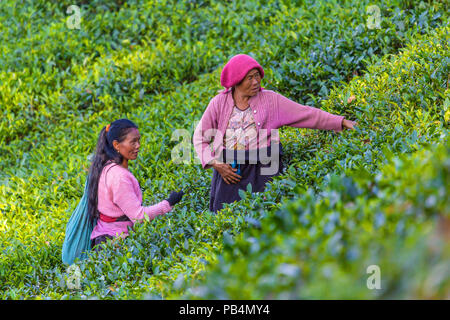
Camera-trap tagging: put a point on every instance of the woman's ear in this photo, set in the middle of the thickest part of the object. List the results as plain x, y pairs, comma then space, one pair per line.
116, 145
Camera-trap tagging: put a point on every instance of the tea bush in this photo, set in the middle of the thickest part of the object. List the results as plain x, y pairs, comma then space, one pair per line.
157, 64
320, 245
300, 237
56, 71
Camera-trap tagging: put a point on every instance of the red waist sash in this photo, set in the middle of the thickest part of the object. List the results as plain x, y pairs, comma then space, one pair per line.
106, 218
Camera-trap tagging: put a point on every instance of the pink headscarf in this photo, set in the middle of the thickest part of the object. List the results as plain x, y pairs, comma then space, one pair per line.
236, 69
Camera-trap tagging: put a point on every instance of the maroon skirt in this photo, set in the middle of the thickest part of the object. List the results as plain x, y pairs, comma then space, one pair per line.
99, 240
268, 164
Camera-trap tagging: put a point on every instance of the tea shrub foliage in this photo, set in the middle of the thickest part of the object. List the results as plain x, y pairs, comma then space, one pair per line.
368, 196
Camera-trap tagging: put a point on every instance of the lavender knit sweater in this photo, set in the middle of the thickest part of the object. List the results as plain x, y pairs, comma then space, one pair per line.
270, 110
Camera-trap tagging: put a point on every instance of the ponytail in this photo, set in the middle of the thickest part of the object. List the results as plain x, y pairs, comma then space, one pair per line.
105, 152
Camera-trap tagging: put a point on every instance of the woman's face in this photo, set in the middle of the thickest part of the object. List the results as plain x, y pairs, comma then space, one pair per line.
251, 84
129, 147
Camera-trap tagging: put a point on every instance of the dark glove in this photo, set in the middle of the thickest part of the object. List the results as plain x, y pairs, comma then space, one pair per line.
175, 197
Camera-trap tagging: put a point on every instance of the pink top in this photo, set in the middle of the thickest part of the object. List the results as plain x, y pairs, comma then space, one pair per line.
270, 110
119, 193
241, 131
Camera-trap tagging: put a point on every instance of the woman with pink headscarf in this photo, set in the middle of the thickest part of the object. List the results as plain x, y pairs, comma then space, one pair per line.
237, 135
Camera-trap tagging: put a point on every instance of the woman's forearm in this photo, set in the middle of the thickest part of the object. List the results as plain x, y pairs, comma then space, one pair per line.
293, 114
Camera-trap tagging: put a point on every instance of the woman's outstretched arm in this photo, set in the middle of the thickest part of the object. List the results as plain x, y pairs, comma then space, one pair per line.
293, 114
124, 196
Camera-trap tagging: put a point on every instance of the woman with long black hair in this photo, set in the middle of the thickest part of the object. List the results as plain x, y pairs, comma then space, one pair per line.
115, 197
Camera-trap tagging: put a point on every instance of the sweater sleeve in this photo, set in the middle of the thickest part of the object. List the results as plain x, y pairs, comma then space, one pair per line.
204, 133
293, 114
124, 196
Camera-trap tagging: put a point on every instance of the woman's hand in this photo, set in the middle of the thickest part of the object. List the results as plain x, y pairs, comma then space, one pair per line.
175, 197
227, 172
347, 124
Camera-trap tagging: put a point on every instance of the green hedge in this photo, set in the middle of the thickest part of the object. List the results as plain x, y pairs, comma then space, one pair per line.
320, 246
364, 199
125, 52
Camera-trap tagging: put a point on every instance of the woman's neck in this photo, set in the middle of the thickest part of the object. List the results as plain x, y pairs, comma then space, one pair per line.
125, 163
240, 99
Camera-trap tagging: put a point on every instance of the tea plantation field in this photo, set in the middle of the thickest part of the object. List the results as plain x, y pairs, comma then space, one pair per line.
376, 197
